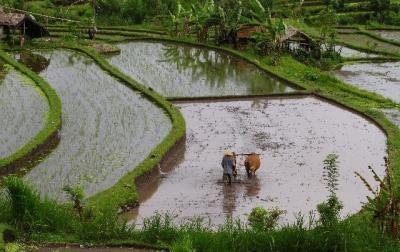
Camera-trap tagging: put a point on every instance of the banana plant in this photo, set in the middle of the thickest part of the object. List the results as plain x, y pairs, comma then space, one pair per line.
177, 19
268, 42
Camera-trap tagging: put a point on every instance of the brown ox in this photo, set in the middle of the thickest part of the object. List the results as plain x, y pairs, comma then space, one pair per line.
252, 164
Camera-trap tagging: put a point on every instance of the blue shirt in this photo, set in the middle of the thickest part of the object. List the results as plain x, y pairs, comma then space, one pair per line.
227, 165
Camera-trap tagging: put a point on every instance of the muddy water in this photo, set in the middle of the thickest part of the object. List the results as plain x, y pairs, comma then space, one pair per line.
23, 111
293, 135
347, 52
382, 78
107, 128
392, 35
183, 71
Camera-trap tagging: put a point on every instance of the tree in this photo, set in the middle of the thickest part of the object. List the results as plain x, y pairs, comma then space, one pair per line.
381, 9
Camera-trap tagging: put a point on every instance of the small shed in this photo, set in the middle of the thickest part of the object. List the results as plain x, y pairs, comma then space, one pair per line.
294, 40
18, 23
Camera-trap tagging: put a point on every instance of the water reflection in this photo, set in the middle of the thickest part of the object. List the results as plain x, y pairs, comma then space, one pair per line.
184, 71
34, 61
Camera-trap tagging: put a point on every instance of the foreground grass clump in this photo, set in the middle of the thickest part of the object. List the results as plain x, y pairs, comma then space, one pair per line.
43, 220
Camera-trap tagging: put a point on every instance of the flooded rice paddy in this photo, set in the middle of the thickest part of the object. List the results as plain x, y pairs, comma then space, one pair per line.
184, 71
392, 35
347, 52
293, 136
382, 78
107, 128
23, 110
368, 42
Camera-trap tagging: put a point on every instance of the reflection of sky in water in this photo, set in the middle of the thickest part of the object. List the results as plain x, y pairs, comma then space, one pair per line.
382, 78
107, 130
179, 71
23, 111
351, 53
392, 35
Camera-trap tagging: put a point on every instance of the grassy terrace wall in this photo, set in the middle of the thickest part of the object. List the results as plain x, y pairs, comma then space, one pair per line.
123, 193
32, 150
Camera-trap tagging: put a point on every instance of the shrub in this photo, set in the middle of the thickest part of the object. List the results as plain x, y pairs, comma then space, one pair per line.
261, 219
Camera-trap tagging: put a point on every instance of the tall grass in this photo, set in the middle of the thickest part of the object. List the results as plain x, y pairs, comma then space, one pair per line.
41, 218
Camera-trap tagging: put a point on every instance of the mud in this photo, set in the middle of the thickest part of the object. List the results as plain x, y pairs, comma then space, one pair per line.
23, 111
382, 78
392, 35
183, 71
108, 129
293, 135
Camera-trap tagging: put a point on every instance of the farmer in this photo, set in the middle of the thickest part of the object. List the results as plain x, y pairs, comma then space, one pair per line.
229, 165
91, 34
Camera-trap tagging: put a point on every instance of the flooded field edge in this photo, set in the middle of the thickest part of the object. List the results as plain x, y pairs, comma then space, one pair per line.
24, 164
46, 139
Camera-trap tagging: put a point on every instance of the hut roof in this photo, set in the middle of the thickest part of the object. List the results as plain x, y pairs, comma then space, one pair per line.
11, 19
15, 21
294, 34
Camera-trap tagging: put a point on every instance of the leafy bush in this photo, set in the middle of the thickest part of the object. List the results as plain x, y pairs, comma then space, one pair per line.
261, 219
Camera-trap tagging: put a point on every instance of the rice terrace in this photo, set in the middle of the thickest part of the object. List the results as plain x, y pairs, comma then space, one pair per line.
211, 125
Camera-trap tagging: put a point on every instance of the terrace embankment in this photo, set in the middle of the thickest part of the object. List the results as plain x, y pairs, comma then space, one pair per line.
108, 129
293, 136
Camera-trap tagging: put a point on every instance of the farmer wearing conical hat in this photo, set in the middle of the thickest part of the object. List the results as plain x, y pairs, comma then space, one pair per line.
228, 164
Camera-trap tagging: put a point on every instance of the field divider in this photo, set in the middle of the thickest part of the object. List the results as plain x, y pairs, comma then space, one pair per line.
42, 143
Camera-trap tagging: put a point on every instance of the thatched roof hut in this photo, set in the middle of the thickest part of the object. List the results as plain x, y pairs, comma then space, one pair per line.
23, 23
295, 39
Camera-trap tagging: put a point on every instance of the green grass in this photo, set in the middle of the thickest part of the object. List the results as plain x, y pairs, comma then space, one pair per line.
53, 121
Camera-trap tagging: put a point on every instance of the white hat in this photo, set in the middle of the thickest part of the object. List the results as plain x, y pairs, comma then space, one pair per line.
228, 152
